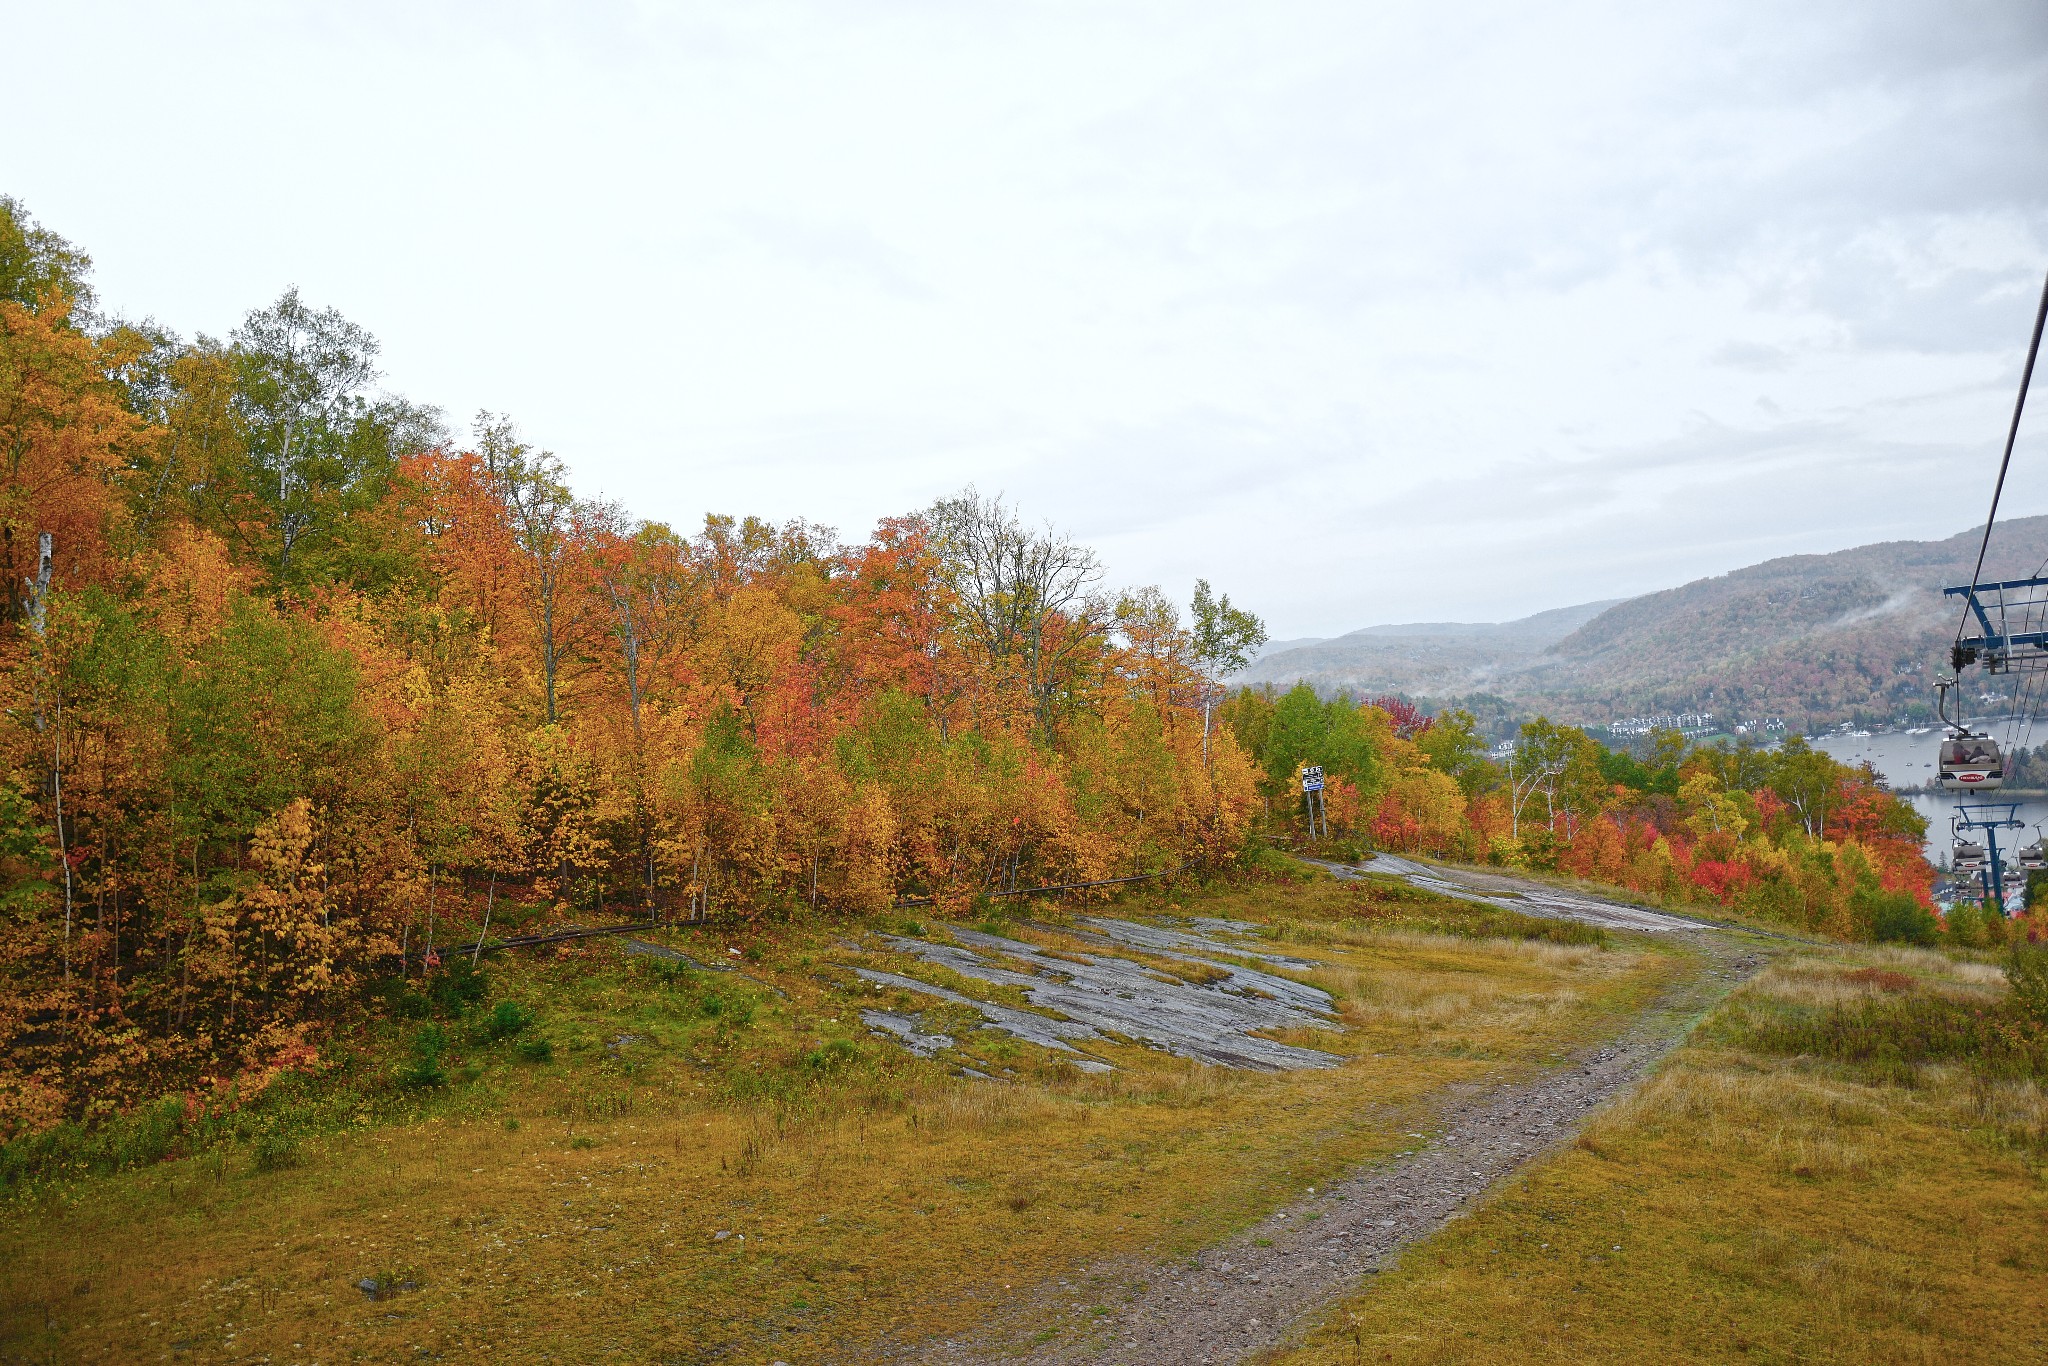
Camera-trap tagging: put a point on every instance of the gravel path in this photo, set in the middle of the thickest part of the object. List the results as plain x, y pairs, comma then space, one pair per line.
1517, 894
1231, 1302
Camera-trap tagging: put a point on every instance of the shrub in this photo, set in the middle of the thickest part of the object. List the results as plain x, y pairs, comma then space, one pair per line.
507, 1018
143, 1136
1895, 918
665, 972
535, 1050
2026, 971
1966, 925
459, 984
399, 999
832, 1056
275, 1151
731, 1007
1885, 1038
1274, 864
424, 1067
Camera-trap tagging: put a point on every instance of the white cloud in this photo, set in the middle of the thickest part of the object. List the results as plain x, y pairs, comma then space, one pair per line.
1342, 307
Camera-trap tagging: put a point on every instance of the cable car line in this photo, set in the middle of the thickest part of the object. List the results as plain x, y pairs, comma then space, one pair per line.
2020, 720
2005, 461
1970, 760
2021, 710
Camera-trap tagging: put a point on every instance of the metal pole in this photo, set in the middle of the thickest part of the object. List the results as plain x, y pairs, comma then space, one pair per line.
1994, 888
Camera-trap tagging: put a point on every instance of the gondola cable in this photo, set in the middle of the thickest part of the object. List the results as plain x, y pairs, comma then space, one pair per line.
2020, 725
2005, 461
1971, 760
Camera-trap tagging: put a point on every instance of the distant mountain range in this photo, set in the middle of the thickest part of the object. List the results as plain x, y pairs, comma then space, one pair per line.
1809, 639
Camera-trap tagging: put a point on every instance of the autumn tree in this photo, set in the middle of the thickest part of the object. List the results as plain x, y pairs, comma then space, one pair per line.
534, 487
66, 443
651, 602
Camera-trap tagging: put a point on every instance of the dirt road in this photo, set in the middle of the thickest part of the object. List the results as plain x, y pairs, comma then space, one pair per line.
1518, 894
1233, 1301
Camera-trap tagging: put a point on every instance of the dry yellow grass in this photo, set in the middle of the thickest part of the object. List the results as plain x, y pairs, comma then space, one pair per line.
885, 1206
1748, 1207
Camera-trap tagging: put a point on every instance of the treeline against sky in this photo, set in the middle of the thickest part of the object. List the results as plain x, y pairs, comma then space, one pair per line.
313, 691
310, 688
1786, 836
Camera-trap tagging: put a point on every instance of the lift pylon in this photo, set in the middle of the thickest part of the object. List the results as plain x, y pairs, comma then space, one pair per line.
1993, 608
1991, 817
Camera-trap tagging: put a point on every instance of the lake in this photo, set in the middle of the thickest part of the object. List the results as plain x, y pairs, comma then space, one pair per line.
1906, 758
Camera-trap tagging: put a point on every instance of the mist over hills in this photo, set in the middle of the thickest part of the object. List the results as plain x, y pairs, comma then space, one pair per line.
1421, 659
1811, 639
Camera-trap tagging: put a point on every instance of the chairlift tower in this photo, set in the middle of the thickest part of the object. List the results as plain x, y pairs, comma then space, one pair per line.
1993, 608
1991, 818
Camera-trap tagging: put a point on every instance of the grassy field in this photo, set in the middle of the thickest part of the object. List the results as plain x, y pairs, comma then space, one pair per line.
606, 1156
1845, 1165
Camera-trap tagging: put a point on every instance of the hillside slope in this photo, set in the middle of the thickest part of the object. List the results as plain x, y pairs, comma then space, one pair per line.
1814, 639
1423, 659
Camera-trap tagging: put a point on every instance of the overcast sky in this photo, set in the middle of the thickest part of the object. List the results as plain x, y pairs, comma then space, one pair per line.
1364, 311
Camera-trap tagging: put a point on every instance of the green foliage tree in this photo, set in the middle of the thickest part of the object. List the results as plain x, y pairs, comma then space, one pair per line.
36, 263
1334, 734
1619, 766
1562, 766
1808, 781
318, 448
1224, 639
1454, 746
262, 712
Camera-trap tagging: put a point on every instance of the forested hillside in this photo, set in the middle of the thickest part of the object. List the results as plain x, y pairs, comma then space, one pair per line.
1809, 639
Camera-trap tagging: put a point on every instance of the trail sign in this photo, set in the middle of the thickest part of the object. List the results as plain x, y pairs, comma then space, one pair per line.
1312, 793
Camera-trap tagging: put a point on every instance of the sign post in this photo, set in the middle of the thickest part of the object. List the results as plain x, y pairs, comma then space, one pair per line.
1312, 792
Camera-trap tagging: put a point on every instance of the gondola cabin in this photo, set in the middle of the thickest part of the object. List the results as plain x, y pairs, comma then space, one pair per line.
2033, 857
1969, 858
1970, 763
